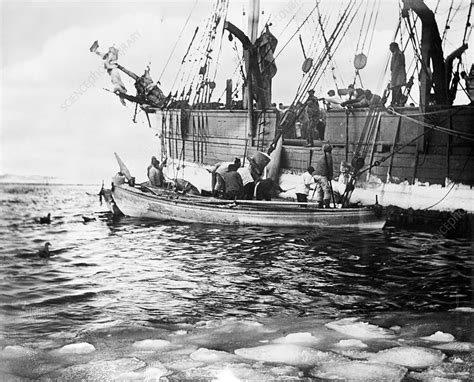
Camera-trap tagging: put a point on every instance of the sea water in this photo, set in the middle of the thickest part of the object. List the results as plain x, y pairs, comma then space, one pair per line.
133, 299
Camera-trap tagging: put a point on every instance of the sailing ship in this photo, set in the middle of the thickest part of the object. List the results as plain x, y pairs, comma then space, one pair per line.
402, 147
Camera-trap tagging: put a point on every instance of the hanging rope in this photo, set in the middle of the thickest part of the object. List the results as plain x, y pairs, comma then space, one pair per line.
179, 37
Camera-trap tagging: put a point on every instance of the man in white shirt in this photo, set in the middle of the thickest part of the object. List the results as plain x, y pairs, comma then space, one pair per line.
304, 185
333, 101
248, 181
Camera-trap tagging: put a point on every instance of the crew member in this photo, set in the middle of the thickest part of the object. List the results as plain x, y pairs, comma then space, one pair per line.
233, 186
322, 176
304, 185
312, 109
266, 189
248, 176
399, 75
220, 169
155, 172
333, 101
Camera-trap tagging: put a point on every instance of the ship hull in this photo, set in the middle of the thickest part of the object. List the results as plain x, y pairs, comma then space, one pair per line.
168, 206
413, 161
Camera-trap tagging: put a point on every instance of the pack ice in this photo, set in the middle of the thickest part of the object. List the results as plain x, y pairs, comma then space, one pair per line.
289, 354
350, 327
412, 357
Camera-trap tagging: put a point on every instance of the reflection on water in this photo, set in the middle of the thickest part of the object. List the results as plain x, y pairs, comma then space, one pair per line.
134, 273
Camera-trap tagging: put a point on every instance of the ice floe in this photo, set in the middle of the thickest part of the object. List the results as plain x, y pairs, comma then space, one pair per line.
147, 374
412, 357
79, 348
238, 372
297, 338
212, 356
16, 351
151, 344
353, 353
456, 347
288, 354
439, 337
351, 327
359, 371
446, 372
351, 343
108, 370
464, 309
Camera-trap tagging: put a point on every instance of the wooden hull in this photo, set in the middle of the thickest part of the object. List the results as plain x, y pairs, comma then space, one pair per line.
136, 203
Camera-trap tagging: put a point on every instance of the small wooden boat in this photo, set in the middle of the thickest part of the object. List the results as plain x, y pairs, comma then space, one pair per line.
161, 204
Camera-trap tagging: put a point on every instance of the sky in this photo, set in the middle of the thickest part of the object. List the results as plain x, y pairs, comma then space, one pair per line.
56, 118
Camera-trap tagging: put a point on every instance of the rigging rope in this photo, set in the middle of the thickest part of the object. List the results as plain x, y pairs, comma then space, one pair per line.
179, 37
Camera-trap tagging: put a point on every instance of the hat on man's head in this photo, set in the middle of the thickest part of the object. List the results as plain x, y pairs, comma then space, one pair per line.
327, 148
311, 91
393, 44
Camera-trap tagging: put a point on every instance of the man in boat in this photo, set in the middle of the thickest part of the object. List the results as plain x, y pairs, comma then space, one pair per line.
266, 189
322, 175
218, 171
155, 172
249, 176
312, 108
233, 186
304, 185
399, 75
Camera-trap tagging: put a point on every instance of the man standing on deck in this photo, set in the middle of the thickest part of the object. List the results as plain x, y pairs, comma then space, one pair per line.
322, 175
399, 75
304, 185
312, 109
333, 101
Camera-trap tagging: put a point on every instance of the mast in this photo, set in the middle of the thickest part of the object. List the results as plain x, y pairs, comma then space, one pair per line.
431, 50
254, 15
252, 33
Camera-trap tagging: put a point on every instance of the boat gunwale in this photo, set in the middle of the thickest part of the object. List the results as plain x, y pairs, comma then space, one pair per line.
246, 206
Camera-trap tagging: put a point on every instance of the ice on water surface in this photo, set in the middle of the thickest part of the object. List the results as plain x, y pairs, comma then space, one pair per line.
211, 356
454, 347
439, 337
297, 338
412, 357
79, 348
351, 344
287, 353
359, 371
151, 344
16, 351
353, 328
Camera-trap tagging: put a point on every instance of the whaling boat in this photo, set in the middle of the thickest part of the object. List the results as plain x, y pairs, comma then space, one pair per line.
160, 204
409, 145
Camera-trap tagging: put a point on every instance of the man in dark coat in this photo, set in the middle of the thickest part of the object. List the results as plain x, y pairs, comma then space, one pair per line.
233, 186
312, 109
323, 173
399, 75
266, 189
